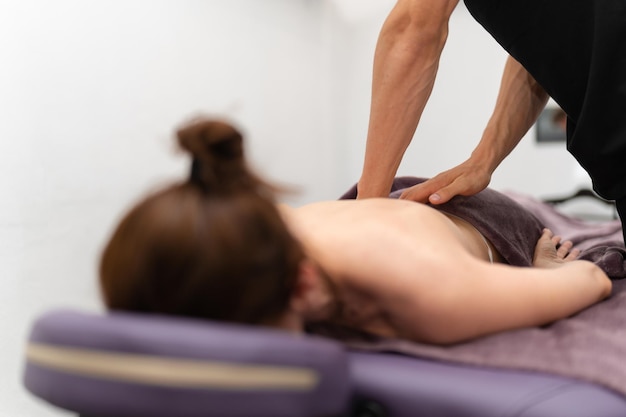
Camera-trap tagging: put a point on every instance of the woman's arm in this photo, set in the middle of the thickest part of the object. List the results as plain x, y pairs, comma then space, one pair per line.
468, 299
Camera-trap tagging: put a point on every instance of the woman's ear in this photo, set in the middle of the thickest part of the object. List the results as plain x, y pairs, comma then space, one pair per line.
306, 286
313, 298
302, 299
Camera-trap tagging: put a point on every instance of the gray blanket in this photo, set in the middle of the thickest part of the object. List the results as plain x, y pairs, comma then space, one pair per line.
590, 345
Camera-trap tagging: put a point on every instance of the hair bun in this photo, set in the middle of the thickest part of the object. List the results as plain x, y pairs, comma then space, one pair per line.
207, 140
218, 162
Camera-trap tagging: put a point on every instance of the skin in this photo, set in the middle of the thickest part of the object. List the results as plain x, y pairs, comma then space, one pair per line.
405, 67
400, 269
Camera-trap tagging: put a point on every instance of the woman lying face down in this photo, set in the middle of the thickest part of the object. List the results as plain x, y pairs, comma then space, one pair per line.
217, 246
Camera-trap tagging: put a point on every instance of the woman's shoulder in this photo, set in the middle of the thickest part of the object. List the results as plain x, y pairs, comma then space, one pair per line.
384, 212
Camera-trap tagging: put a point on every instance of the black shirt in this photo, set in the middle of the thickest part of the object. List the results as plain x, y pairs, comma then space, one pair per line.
576, 50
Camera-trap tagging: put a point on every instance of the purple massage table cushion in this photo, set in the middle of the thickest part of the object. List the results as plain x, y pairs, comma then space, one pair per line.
131, 365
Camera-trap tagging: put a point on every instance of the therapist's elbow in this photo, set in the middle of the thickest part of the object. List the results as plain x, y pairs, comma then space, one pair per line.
415, 33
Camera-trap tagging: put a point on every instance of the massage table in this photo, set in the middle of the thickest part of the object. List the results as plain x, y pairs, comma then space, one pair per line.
134, 365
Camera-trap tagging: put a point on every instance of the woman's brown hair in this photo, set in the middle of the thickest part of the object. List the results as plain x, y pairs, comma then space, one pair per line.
213, 246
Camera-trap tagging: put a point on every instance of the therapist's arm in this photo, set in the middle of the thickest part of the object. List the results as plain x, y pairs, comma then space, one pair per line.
405, 65
520, 101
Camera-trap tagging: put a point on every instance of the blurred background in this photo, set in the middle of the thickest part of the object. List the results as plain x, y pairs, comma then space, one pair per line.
90, 92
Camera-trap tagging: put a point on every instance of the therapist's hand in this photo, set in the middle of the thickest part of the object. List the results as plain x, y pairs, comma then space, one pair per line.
467, 179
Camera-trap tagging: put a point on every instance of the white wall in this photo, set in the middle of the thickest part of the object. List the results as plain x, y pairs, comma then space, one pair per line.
91, 90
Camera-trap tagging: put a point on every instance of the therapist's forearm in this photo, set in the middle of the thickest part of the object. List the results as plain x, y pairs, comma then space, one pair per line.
405, 66
520, 101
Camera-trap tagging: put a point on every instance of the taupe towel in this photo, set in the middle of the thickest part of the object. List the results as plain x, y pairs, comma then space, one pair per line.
601, 243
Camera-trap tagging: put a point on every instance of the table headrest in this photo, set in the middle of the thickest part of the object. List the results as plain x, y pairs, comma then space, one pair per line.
125, 364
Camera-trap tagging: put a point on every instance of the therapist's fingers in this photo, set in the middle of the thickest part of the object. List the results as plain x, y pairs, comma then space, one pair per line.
459, 187
420, 192
440, 189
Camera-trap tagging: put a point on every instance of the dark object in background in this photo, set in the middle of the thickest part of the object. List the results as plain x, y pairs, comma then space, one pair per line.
550, 126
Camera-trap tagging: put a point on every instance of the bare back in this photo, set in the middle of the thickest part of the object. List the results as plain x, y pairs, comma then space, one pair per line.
403, 269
